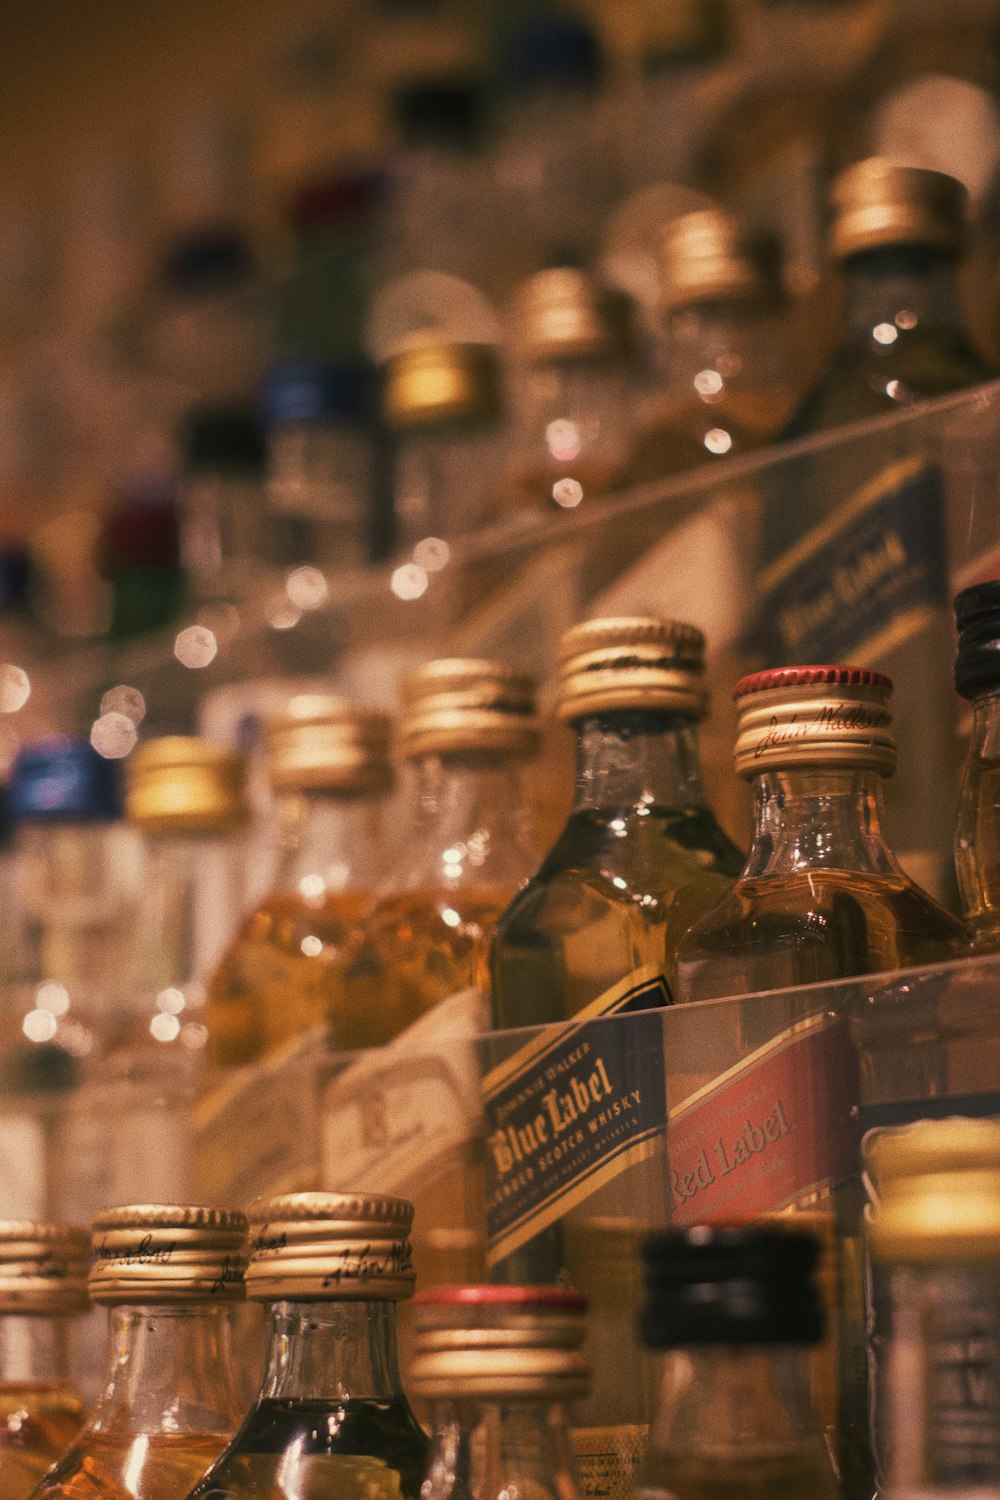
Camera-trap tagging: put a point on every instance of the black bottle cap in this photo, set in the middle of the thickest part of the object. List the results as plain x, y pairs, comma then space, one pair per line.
440, 112
721, 1285
223, 439
977, 614
552, 50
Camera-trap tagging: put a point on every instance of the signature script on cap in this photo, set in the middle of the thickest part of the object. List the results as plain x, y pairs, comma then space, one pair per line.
144, 1253
836, 717
369, 1262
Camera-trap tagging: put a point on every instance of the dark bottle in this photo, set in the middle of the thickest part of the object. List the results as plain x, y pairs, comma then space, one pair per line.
735, 1313
977, 836
331, 1416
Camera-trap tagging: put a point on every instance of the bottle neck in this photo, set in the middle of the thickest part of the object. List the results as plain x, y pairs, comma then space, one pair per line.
727, 1396
493, 1448
34, 1350
331, 1351
169, 1370
634, 761
331, 843
472, 824
899, 290
818, 817
977, 835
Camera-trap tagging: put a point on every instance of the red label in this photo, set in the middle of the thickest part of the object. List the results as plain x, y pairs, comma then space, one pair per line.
780, 1126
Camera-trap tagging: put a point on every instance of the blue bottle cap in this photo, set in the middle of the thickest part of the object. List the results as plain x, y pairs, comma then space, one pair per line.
552, 49
305, 390
206, 260
63, 780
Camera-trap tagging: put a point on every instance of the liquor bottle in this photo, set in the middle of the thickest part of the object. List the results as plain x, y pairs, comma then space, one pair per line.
722, 382
331, 1415
224, 545
442, 403
43, 1286
736, 1312
977, 836
571, 392
821, 895
169, 1275
499, 1365
282, 975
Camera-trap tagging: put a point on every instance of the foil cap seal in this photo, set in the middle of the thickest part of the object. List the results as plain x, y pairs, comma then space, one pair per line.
329, 1246
168, 1253
185, 785
814, 716
500, 1343
465, 705
877, 204
977, 615
710, 255
436, 383
562, 313
938, 1217
319, 743
631, 664
43, 1268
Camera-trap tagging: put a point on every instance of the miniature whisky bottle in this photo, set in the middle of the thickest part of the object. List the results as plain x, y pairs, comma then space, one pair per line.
977, 836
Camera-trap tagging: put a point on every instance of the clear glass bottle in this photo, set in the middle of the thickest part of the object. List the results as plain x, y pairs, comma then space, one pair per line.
442, 404
282, 975
223, 539
573, 420
977, 836
821, 895
722, 382
331, 1415
169, 1275
499, 1365
736, 1312
43, 1286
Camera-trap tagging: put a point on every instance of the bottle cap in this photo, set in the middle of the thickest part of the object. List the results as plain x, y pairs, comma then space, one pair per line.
43, 1268
814, 716
330, 1246
317, 743
500, 1343
958, 1144
225, 440
720, 1285
938, 1216
346, 204
710, 255
562, 313
977, 614
609, 666
463, 705
168, 1253
317, 390
444, 112
877, 204
207, 260
684, 31
181, 784
552, 51
442, 382
64, 780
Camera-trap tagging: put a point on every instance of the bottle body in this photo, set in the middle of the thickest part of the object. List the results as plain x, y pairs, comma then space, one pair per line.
40, 1409
977, 835
445, 477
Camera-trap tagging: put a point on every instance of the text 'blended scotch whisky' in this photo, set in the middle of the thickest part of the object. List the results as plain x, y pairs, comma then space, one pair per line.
977, 836
498, 1366
169, 1275
331, 1417
43, 1286
283, 973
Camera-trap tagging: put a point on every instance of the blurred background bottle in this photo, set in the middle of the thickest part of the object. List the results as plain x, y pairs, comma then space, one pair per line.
977, 835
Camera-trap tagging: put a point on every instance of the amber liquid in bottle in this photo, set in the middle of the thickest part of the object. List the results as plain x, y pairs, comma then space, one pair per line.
38, 1421
157, 1466
793, 1473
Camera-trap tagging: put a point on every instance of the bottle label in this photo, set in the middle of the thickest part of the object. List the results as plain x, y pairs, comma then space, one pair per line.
775, 1129
571, 1110
397, 1118
608, 1460
866, 579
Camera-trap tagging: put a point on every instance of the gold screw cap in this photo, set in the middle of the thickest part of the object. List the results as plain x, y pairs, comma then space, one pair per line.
182, 784
168, 1253
608, 666
43, 1268
462, 705
318, 743
877, 204
500, 1343
958, 1144
563, 313
938, 1217
814, 716
709, 256
330, 1246
442, 382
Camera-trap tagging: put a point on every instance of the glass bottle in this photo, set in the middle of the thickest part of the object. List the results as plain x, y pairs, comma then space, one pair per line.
169, 1275
821, 895
43, 1285
571, 392
223, 540
735, 1311
499, 1365
282, 975
722, 381
331, 1415
977, 836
